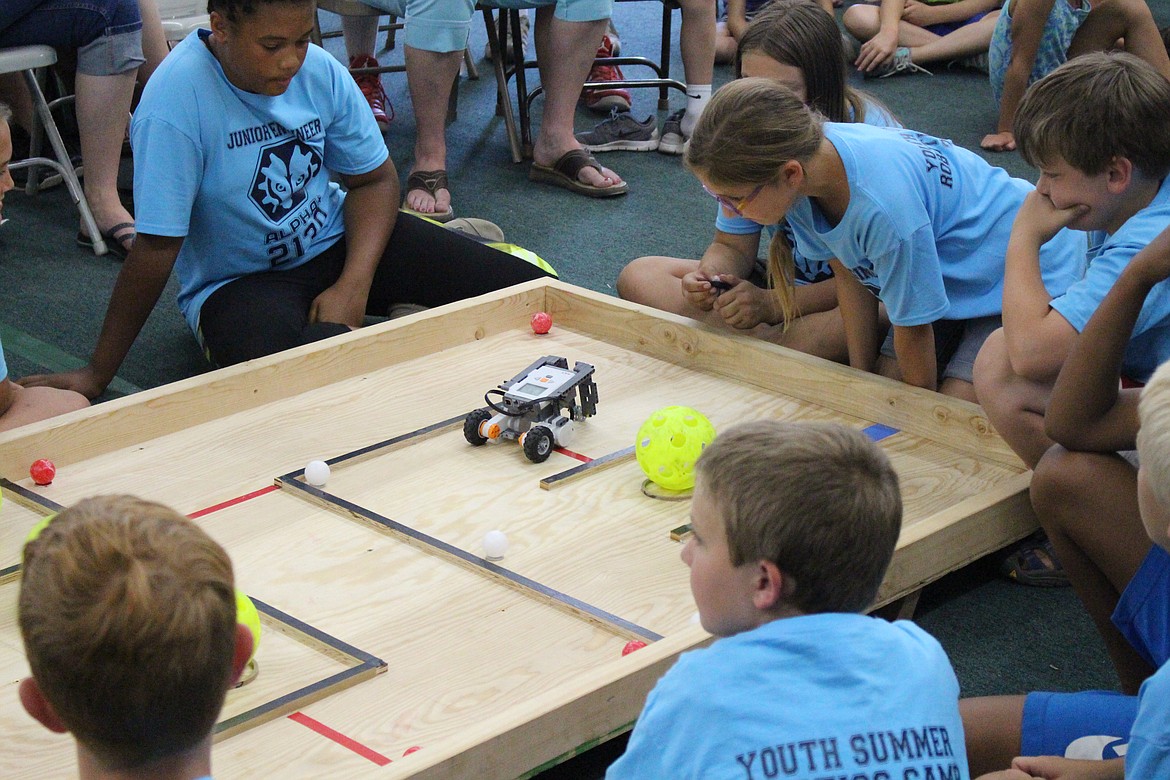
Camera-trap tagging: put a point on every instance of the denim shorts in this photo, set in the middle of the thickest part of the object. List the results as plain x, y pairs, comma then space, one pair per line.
106, 34
567, 10
432, 25
956, 343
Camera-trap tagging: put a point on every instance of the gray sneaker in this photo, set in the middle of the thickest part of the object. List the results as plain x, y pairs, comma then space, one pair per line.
977, 62
899, 63
621, 133
673, 141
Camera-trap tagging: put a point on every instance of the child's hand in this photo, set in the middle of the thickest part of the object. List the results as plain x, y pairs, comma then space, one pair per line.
1152, 264
84, 380
1058, 768
341, 304
744, 305
919, 14
697, 289
1041, 219
1007, 774
999, 142
877, 50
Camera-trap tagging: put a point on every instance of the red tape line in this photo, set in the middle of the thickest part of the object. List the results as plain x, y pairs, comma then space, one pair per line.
233, 502
571, 454
339, 738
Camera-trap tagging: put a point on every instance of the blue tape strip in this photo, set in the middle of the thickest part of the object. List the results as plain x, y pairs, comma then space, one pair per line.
877, 431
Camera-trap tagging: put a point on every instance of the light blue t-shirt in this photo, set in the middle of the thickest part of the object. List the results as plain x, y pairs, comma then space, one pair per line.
927, 226
1149, 740
806, 270
3, 365
245, 177
831, 695
1149, 344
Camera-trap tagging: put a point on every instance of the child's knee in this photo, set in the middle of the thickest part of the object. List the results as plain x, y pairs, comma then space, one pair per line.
637, 281
992, 367
860, 19
1059, 477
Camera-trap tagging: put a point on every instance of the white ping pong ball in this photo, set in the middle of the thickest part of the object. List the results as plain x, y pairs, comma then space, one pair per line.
495, 545
317, 473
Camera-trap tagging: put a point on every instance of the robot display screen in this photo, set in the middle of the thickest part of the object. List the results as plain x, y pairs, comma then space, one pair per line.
532, 389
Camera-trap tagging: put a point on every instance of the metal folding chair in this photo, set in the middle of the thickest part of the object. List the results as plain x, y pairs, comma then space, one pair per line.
497, 33
27, 60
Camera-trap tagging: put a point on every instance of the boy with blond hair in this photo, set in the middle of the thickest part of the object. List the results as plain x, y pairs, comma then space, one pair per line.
801, 683
128, 615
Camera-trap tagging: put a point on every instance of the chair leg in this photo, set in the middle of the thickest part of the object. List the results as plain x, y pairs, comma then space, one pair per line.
503, 99
663, 91
518, 64
62, 154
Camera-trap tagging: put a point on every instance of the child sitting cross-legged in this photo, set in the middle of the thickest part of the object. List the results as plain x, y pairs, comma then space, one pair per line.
128, 615
800, 684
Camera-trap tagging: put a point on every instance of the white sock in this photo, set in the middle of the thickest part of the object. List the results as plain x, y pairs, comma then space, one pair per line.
698, 95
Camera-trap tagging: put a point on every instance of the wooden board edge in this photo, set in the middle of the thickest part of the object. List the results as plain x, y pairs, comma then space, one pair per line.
152, 413
941, 544
554, 725
942, 419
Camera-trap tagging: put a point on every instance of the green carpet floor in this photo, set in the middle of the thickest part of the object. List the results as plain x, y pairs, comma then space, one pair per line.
1002, 638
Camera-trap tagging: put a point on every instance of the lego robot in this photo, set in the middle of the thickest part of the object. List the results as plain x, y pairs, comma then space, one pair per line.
533, 406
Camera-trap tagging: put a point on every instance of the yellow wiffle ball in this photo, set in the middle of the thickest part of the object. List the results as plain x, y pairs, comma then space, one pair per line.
669, 443
247, 614
38, 528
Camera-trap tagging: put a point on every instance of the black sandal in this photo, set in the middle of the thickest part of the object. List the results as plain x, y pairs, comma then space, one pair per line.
429, 182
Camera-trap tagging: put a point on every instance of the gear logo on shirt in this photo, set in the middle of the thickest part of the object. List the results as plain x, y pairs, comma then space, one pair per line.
282, 172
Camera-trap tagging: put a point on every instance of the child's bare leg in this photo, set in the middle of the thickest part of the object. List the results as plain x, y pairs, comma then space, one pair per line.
725, 44
1128, 19
820, 333
1087, 503
993, 728
964, 42
33, 404
657, 281
697, 40
955, 388
862, 22
958, 388
1014, 405
697, 46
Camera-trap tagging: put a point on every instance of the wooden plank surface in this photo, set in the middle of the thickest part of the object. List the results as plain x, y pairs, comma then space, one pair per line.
490, 677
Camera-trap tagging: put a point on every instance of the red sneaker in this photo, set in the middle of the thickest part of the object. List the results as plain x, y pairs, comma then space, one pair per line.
600, 99
371, 87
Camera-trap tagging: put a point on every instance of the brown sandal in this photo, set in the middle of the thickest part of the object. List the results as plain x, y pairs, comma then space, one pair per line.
429, 182
563, 173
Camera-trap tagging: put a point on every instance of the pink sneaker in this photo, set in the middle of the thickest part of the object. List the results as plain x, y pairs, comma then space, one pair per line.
371, 87
600, 99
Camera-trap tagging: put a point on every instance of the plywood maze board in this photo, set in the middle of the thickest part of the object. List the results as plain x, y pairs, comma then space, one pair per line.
385, 628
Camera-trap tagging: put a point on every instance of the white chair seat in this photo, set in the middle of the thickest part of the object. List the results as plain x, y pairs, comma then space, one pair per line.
26, 58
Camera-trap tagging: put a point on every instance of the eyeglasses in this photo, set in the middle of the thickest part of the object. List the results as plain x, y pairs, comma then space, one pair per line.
734, 205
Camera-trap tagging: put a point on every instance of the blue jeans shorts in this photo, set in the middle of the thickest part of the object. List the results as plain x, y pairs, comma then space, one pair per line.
106, 34
956, 343
432, 25
1088, 725
566, 10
